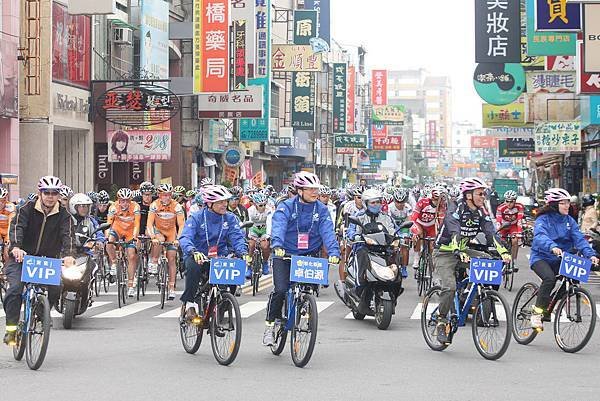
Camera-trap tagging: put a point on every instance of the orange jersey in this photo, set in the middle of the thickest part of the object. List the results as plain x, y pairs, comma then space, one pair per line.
165, 218
6, 216
126, 223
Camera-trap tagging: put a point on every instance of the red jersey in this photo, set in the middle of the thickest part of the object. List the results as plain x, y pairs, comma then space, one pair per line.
424, 213
506, 214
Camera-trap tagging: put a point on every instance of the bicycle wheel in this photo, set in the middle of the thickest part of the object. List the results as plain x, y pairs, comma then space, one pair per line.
226, 329
522, 307
191, 334
19, 348
139, 277
430, 317
304, 333
280, 337
144, 273
105, 279
491, 325
575, 320
162, 277
97, 278
38, 333
428, 271
421, 276
511, 277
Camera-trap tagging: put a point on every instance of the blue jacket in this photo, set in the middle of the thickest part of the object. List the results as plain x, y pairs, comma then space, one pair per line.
193, 237
554, 230
287, 222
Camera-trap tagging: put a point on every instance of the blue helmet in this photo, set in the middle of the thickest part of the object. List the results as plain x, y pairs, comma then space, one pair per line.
259, 198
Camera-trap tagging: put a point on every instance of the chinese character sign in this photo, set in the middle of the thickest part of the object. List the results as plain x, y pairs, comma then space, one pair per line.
497, 31
558, 136
339, 97
389, 114
499, 116
557, 15
388, 142
350, 120
235, 105
304, 269
379, 98
351, 141
139, 146
551, 82
323, 8
211, 45
239, 66
303, 101
305, 26
295, 58
244, 10
547, 43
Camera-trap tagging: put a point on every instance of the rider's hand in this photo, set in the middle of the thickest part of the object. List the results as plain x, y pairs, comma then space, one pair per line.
334, 260
247, 258
506, 258
175, 243
464, 257
595, 260
68, 261
18, 254
557, 251
279, 252
155, 239
200, 258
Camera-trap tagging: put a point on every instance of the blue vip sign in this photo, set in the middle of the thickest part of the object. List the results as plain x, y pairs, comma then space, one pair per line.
309, 270
574, 267
227, 271
485, 271
39, 270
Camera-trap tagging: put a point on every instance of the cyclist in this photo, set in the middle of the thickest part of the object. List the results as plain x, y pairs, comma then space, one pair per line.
197, 205
353, 206
179, 194
234, 206
301, 226
102, 206
124, 218
207, 234
84, 223
399, 210
259, 214
65, 193
453, 195
40, 228
589, 215
425, 216
469, 219
7, 212
510, 216
145, 199
554, 232
325, 198
165, 223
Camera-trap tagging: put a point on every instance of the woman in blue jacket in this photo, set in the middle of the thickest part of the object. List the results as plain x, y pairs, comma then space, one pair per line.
555, 232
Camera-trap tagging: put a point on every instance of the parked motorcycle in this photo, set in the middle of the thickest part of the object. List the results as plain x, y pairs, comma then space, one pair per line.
378, 297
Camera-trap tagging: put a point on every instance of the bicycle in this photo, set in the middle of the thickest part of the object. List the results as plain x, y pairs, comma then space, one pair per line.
425, 270
142, 268
508, 273
162, 281
3, 281
573, 304
300, 317
101, 275
219, 314
121, 278
257, 262
486, 317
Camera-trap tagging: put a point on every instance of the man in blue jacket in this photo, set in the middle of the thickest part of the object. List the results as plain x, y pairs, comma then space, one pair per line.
300, 226
208, 234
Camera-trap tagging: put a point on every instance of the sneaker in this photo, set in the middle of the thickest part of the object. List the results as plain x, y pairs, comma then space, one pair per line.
10, 338
536, 319
191, 315
268, 340
265, 269
404, 272
131, 292
113, 270
416, 263
443, 329
171, 295
152, 268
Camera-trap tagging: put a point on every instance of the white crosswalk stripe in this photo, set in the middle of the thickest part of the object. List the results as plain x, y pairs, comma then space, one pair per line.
172, 313
250, 308
127, 310
54, 313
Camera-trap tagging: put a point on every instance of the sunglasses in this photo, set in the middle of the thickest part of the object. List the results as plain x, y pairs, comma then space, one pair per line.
50, 193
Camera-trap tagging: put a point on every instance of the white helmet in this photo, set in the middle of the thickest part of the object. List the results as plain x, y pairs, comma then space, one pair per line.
3, 192
471, 184
65, 191
510, 195
78, 199
215, 193
304, 179
49, 183
206, 181
556, 195
371, 194
124, 193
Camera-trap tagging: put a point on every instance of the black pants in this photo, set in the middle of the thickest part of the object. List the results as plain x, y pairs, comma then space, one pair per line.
547, 272
281, 284
13, 300
194, 273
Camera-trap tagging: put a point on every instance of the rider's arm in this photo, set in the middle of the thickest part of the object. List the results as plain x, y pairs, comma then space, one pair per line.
99, 235
180, 220
67, 231
579, 240
520, 214
17, 227
150, 221
541, 238
499, 214
136, 222
280, 223
237, 238
188, 235
487, 227
328, 233
416, 212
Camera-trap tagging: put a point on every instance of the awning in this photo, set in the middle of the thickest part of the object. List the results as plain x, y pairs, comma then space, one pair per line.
547, 159
121, 24
175, 49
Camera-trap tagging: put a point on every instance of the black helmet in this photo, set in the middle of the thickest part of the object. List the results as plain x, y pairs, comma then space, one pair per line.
587, 200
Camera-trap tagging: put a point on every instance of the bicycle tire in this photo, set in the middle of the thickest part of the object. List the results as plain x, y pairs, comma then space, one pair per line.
421, 276
105, 279
427, 323
233, 348
144, 273
96, 279
280, 340
255, 281
68, 313
429, 270
35, 361
558, 319
139, 278
511, 280
312, 326
481, 344
119, 283
194, 335
19, 348
163, 283
521, 314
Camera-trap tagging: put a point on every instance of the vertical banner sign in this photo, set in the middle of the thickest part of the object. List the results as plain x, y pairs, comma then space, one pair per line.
303, 101
211, 46
591, 38
497, 31
305, 26
243, 10
154, 38
239, 64
379, 98
351, 99
196, 45
339, 97
258, 129
323, 8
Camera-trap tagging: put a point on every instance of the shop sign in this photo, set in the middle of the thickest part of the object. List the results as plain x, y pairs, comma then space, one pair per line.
9, 179
103, 170
295, 58
138, 104
547, 43
233, 156
591, 38
497, 31
499, 83
217, 131
323, 8
560, 63
344, 151
351, 141
389, 114
379, 98
154, 38
139, 146
588, 83
244, 10
507, 115
136, 173
558, 136
305, 26
389, 142
557, 15
299, 147
74, 104
551, 82
483, 142
339, 97
515, 147
240, 104
303, 101
510, 132
239, 65
350, 120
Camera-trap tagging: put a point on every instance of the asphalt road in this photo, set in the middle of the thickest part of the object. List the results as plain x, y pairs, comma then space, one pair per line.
135, 354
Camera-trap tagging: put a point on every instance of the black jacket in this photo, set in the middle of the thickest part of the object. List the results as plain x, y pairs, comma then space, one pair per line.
41, 235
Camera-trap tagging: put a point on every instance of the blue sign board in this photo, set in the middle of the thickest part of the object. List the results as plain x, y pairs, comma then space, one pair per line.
323, 8
486, 271
595, 110
304, 269
300, 145
227, 271
40, 270
561, 16
233, 156
574, 267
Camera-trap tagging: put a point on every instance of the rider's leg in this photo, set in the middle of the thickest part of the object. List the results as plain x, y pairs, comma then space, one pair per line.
131, 265
281, 283
12, 298
547, 273
110, 250
265, 247
251, 248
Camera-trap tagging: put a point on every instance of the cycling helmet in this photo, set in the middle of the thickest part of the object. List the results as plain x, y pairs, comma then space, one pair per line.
147, 187
358, 191
206, 181
350, 191
165, 188
259, 198
574, 199
49, 183
471, 184
556, 195
103, 198
401, 195
454, 192
436, 192
215, 193
179, 190
586, 200
78, 199
3, 192
93, 196
198, 200
371, 194
236, 191
325, 190
388, 198
190, 193
510, 195
65, 191
390, 190
304, 179
291, 188
124, 193
32, 197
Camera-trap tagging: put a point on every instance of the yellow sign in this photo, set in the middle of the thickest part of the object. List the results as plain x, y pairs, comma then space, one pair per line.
509, 115
393, 114
197, 45
295, 58
167, 180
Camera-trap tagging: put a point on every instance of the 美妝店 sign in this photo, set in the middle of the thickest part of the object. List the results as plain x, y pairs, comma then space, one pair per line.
351, 141
497, 31
239, 104
557, 15
303, 101
389, 114
551, 82
295, 58
558, 136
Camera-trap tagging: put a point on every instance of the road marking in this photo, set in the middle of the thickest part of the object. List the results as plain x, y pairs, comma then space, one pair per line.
250, 308
172, 313
416, 315
147, 293
321, 306
351, 317
54, 313
127, 310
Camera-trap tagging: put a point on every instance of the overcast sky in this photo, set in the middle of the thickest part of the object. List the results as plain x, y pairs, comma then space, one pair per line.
437, 35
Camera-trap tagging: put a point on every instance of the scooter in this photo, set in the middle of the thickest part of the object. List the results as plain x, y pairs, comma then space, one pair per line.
593, 237
378, 297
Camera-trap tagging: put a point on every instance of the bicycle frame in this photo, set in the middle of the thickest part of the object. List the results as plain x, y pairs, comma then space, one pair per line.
463, 313
28, 295
569, 285
293, 295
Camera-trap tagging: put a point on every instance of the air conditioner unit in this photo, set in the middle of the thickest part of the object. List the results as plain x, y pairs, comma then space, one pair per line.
123, 36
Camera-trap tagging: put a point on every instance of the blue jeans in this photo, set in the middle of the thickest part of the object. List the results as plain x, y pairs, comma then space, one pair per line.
194, 273
281, 284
